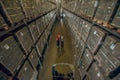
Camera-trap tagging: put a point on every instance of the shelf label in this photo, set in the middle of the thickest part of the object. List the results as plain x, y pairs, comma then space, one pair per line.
112, 46
21, 34
96, 4
6, 46
95, 32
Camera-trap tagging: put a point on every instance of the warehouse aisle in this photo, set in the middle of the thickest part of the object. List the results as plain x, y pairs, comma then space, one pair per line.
52, 55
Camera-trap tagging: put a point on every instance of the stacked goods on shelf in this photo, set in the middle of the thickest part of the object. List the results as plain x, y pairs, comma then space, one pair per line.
40, 46
45, 6
34, 31
70, 4
40, 24
53, 1
73, 28
94, 73
9, 51
85, 62
78, 8
108, 56
14, 10
34, 58
43, 38
116, 19
104, 60
95, 38
85, 30
91, 5
25, 38
83, 9
105, 9
30, 8
27, 72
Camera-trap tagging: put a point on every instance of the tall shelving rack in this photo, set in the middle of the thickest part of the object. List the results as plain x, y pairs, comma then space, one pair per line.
95, 27
25, 29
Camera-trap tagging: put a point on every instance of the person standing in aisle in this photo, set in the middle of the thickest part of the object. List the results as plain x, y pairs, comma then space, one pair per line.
62, 42
58, 40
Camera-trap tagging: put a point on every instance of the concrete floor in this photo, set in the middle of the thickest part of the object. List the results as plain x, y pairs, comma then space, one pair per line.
53, 55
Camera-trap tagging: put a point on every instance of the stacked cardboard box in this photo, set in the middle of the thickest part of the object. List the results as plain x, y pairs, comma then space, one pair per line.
85, 30
29, 7
91, 8
34, 31
14, 10
108, 56
95, 38
82, 46
9, 51
94, 73
40, 46
25, 38
116, 20
105, 9
86, 60
26, 73
34, 58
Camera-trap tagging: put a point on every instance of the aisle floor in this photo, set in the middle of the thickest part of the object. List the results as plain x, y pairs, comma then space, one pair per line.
52, 55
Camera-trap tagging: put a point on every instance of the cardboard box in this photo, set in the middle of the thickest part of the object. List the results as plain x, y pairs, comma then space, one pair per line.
25, 38
85, 62
94, 73
26, 73
34, 58
11, 55
95, 38
108, 56
14, 10
34, 31
116, 19
87, 59
105, 9
85, 30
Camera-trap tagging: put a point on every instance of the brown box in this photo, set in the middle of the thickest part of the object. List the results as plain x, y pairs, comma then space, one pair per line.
105, 9
34, 31
87, 59
103, 63
112, 46
94, 73
14, 10
95, 39
40, 46
85, 30
85, 62
108, 56
82, 46
26, 73
82, 71
116, 20
11, 55
34, 58
30, 8
25, 38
